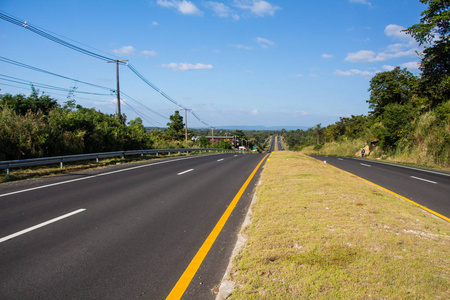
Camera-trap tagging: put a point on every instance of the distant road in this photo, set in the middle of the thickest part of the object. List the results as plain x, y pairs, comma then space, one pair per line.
280, 145
426, 187
123, 232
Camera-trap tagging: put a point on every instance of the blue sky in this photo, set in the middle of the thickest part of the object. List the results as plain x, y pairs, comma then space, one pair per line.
234, 62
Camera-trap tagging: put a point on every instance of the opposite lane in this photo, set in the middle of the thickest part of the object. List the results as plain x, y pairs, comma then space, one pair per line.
425, 187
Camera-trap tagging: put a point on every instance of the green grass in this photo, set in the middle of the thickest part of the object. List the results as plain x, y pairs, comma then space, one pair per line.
320, 233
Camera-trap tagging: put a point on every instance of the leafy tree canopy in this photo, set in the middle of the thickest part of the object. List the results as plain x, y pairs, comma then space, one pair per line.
434, 24
394, 86
176, 126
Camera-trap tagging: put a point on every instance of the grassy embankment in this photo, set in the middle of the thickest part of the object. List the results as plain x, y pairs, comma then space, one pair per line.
320, 233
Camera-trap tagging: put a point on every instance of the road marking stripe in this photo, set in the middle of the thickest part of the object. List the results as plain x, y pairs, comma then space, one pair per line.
397, 195
184, 172
220, 159
40, 225
98, 175
407, 167
340, 159
418, 178
185, 279
365, 165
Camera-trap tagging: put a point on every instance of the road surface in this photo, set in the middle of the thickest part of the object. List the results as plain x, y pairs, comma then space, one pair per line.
123, 232
426, 187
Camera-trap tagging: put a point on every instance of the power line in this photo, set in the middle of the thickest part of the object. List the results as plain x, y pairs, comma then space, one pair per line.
16, 63
55, 39
146, 107
46, 35
46, 86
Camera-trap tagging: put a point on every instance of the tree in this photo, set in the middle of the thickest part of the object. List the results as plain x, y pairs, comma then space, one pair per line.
34, 103
434, 29
434, 24
176, 126
396, 86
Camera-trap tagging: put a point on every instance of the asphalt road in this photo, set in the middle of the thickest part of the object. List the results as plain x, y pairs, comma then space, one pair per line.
426, 187
280, 145
124, 232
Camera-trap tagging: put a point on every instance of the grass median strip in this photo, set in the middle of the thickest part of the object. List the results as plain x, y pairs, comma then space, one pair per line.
320, 233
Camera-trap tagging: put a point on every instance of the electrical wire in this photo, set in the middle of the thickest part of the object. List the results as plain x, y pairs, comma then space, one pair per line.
144, 106
16, 63
55, 39
42, 85
142, 115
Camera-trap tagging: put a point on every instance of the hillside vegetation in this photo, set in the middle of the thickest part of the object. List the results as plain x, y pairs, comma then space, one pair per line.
409, 117
38, 126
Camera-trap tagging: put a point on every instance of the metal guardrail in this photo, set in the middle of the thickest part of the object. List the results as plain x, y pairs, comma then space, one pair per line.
9, 164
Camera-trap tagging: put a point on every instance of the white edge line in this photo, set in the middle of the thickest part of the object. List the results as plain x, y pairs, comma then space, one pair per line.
426, 180
98, 175
184, 172
365, 165
40, 225
220, 159
406, 167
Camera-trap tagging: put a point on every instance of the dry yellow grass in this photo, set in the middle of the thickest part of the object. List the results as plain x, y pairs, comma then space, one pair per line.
320, 233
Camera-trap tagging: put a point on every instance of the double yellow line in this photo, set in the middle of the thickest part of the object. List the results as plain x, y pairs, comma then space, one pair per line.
185, 279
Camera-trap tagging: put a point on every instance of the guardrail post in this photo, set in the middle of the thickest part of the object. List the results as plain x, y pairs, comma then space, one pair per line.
96, 159
61, 165
157, 153
7, 173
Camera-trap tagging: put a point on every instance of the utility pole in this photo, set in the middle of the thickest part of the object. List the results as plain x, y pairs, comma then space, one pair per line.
212, 128
118, 88
185, 122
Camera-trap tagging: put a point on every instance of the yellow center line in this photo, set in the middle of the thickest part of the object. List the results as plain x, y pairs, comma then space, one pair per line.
395, 194
185, 279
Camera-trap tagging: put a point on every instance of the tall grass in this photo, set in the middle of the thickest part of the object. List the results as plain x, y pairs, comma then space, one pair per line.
345, 147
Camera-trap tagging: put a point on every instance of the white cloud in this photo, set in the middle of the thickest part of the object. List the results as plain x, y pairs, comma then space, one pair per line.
326, 56
185, 7
154, 23
353, 72
130, 50
125, 50
264, 43
413, 65
149, 53
241, 47
361, 2
221, 10
313, 75
187, 66
370, 56
396, 31
361, 56
257, 7
407, 47
299, 75
255, 112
